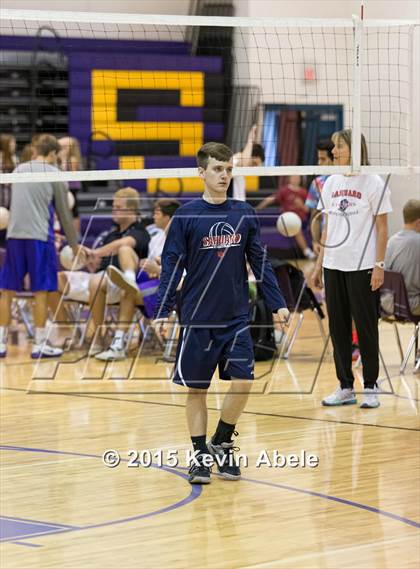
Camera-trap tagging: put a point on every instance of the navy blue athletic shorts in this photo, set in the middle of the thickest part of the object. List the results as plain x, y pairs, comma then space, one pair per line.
201, 348
37, 258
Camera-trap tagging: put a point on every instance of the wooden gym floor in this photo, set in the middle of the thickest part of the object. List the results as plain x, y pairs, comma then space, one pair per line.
62, 507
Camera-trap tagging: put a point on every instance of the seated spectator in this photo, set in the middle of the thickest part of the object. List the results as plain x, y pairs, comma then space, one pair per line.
146, 279
291, 197
403, 253
125, 243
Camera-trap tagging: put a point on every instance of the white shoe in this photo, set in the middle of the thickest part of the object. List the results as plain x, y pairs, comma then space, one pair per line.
112, 354
370, 398
3, 349
122, 281
45, 350
340, 397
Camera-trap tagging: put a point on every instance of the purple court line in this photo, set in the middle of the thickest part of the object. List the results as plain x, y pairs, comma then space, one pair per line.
339, 500
328, 497
31, 521
27, 544
198, 489
193, 495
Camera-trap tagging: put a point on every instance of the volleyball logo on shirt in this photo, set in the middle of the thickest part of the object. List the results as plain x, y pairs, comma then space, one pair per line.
343, 205
221, 236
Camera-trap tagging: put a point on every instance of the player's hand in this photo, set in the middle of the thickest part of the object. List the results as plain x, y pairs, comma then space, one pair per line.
151, 267
316, 247
161, 327
377, 279
315, 280
284, 317
252, 133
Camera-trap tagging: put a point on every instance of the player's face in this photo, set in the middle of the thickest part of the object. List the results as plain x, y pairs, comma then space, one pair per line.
161, 220
341, 152
324, 159
217, 175
119, 210
52, 157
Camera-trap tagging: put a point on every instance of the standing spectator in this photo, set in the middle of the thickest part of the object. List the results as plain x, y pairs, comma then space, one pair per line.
355, 235
325, 158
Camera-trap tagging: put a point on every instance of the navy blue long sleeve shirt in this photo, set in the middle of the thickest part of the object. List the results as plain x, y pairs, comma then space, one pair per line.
212, 243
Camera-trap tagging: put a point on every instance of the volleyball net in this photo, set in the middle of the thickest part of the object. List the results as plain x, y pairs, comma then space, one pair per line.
142, 93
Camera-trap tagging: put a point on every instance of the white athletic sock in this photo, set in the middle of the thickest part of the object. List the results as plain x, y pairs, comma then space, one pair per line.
131, 275
40, 335
3, 334
118, 341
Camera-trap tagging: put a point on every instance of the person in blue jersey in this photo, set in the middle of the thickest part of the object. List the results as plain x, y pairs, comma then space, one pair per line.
211, 239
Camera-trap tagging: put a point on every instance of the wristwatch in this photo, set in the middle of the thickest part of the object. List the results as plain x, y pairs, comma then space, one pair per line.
380, 265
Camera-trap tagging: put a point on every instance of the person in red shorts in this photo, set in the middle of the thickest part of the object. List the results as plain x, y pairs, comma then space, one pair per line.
291, 197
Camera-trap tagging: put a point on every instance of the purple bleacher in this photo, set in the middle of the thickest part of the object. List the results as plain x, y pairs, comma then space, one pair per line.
183, 114
93, 225
73, 45
112, 163
212, 131
81, 61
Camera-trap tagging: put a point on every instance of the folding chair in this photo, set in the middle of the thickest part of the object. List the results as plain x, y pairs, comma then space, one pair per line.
395, 309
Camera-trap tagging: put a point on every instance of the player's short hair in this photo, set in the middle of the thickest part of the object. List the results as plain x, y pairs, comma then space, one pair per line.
346, 136
167, 206
215, 150
326, 144
258, 151
45, 144
411, 211
131, 196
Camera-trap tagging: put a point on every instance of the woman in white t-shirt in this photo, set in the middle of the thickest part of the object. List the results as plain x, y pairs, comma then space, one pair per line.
352, 257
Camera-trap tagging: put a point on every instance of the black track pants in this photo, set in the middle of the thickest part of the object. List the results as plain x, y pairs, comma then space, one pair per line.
348, 295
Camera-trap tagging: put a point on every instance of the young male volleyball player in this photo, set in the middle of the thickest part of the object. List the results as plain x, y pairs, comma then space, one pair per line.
211, 238
30, 243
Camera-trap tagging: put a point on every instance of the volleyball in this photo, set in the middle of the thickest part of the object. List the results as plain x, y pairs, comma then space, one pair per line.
67, 259
289, 224
4, 217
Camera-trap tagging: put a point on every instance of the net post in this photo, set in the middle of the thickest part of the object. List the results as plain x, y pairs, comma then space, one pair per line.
410, 134
356, 99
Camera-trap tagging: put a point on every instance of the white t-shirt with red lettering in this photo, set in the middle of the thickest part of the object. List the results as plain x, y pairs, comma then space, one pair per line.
351, 202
